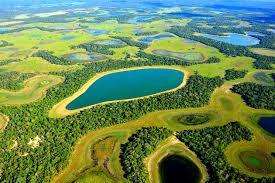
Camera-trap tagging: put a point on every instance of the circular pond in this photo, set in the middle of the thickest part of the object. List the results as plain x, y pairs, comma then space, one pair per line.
175, 168
256, 161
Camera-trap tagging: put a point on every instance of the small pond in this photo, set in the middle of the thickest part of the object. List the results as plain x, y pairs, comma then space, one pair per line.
97, 32
83, 57
268, 123
68, 38
110, 42
189, 56
128, 85
235, 39
151, 39
175, 169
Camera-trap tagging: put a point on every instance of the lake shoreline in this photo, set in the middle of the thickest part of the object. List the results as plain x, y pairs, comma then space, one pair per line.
60, 110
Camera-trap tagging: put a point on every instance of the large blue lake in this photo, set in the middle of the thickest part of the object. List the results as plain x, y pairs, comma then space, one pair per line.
127, 85
235, 39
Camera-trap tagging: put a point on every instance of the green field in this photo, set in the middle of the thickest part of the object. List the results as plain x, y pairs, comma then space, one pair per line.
35, 89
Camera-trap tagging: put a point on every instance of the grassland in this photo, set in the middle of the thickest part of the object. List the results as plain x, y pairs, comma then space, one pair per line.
35, 88
264, 51
3, 122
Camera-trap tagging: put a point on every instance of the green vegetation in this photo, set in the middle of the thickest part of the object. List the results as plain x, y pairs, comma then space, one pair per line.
46, 55
264, 78
13, 80
32, 143
257, 161
141, 145
151, 33
3, 122
209, 144
191, 119
255, 95
264, 51
5, 43
212, 60
34, 89
232, 74
186, 56
98, 48
131, 42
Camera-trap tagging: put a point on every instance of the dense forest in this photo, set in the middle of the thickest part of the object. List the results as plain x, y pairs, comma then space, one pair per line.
210, 143
131, 42
139, 146
52, 156
6, 62
13, 80
232, 74
46, 55
4, 43
256, 95
98, 48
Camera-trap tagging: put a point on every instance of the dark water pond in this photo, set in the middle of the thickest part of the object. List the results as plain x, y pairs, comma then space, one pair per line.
177, 169
268, 123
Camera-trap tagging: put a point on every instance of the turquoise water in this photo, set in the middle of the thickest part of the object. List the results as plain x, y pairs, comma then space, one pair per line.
97, 32
268, 123
151, 39
235, 39
128, 85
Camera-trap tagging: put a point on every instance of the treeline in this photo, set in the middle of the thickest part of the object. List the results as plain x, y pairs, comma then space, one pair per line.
98, 48
131, 42
6, 62
46, 55
263, 62
210, 143
150, 33
13, 80
212, 60
256, 95
53, 154
4, 43
232, 74
139, 146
